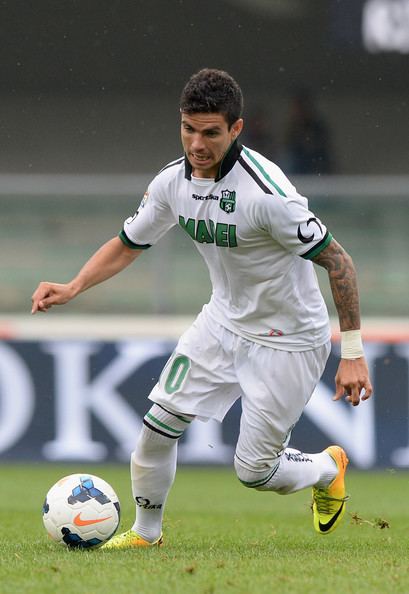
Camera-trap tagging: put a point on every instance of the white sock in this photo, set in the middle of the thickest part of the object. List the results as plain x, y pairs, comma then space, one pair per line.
153, 468
297, 471
294, 471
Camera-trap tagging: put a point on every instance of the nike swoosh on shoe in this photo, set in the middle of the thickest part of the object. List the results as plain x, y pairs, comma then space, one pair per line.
328, 525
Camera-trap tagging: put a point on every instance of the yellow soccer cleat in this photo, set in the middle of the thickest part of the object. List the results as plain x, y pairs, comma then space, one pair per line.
130, 540
328, 504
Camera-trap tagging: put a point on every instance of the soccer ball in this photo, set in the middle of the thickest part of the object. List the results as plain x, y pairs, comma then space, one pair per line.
81, 511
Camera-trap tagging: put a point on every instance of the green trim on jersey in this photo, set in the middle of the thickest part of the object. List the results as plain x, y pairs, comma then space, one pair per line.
134, 246
264, 172
318, 248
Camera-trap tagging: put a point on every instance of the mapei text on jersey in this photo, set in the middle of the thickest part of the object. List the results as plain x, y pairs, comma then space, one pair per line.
222, 234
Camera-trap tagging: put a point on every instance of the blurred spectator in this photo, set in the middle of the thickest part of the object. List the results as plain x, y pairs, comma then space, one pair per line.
306, 142
258, 134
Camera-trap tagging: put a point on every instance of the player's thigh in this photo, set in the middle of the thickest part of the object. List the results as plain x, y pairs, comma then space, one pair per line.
200, 378
276, 387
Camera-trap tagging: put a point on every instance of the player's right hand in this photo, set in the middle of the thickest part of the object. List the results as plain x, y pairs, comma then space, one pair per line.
48, 294
352, 381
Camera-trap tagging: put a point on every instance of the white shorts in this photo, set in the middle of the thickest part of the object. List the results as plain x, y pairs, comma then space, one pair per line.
212, 367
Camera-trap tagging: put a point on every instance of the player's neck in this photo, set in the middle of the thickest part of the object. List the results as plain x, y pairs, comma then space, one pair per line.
202, 181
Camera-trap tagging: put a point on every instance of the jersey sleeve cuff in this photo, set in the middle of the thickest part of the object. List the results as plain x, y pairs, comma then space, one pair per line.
318, 247
134, 246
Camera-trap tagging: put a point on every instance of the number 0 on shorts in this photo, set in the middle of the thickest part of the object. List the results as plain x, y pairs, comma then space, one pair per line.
177, 373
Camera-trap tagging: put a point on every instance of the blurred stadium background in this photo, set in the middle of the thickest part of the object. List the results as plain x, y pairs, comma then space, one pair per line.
89, 112
89, 103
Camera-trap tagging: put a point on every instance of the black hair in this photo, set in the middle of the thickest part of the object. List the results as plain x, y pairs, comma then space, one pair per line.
213, 91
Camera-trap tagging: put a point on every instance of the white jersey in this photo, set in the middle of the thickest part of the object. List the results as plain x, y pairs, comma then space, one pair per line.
256, 235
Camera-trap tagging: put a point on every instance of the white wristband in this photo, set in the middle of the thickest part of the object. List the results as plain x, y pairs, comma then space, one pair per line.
351, 344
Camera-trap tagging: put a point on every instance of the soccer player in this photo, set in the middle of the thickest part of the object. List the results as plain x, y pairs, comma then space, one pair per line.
264, 336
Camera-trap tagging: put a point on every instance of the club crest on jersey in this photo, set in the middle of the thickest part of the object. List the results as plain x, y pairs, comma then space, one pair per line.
228, 201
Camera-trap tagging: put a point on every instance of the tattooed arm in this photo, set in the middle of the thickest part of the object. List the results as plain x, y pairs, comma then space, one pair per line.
343, 282
352, 376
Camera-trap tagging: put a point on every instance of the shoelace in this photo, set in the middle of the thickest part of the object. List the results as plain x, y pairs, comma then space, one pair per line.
325, 503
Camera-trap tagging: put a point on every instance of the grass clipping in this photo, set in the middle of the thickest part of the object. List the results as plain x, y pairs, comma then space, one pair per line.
376, 523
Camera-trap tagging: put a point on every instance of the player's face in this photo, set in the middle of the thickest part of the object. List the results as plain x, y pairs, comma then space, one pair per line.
206, 137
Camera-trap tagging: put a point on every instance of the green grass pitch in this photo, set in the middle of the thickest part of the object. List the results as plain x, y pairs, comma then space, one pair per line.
220, 538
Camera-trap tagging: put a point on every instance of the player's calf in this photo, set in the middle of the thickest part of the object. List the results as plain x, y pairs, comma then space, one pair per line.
153, 467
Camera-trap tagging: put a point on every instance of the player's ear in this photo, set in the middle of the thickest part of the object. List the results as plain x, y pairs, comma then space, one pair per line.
236, 128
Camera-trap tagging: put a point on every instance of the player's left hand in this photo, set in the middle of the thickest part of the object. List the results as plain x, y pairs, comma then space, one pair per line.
352, 380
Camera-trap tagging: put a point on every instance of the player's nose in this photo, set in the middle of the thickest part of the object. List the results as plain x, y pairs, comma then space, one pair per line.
197, 143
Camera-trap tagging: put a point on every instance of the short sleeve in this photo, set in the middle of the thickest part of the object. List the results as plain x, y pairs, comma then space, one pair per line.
291, 223
151, 221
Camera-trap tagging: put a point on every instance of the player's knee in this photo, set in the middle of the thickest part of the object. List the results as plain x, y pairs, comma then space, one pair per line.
252, 477
161, 429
